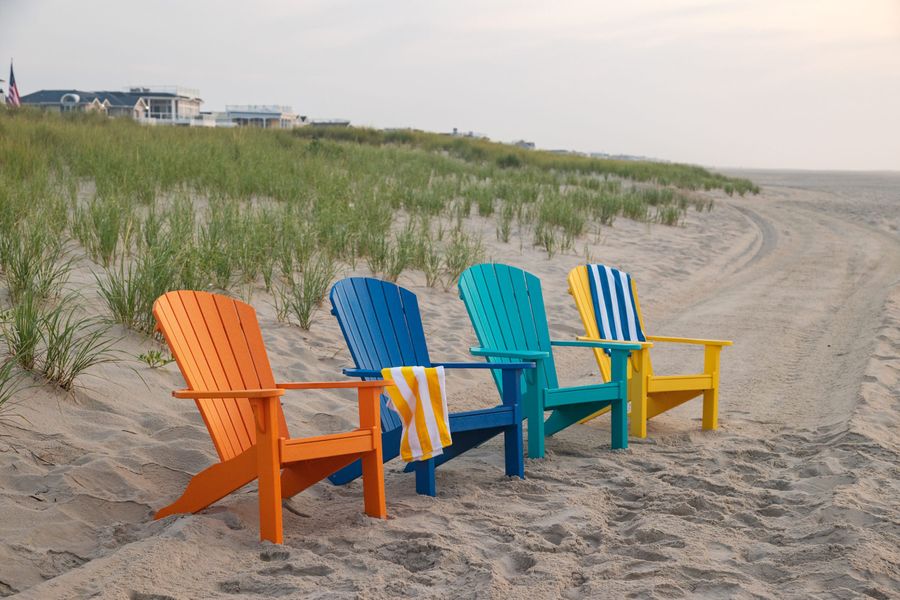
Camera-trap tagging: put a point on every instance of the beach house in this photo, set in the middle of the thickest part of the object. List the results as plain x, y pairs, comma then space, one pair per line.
168, 105
266, 116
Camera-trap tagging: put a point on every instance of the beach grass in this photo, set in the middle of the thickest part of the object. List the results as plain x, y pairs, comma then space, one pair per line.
73, 344
54, 340
12, 382
157, 208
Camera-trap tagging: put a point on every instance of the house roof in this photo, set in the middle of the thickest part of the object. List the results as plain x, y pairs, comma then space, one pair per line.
54, 96
114, 98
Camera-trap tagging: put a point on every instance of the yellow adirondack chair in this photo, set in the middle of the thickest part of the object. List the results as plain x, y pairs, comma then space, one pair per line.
648, 394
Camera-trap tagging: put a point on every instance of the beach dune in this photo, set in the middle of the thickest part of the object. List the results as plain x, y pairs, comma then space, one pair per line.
796, 495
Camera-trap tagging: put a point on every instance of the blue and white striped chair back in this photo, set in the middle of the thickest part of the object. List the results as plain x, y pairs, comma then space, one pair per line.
614, 304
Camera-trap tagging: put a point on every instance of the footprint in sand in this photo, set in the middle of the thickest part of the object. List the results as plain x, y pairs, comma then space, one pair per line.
555, 534
518, 563
148, 596
414, 555
298, 571
266, 589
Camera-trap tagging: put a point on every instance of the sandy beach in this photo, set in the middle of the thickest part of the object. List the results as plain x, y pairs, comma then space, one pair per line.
796, 495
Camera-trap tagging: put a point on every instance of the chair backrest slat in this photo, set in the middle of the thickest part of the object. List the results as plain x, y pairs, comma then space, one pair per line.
506, 307
217, 344
580, 289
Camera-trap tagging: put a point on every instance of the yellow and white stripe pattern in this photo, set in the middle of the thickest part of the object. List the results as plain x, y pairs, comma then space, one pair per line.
418, 397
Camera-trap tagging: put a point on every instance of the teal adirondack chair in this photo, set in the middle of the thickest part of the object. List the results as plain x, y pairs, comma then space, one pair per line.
506, 307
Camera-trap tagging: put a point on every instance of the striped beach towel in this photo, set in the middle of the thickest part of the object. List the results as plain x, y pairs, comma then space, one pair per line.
614, 305
418, 397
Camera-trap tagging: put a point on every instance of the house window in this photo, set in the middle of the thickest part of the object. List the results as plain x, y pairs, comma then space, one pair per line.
160, 109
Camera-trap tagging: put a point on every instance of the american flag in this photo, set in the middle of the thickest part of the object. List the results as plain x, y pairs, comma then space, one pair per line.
12, 96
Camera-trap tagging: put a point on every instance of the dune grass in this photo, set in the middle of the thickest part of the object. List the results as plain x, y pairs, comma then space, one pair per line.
505, 156
301, 297
12, 383
22, 329
158, 209
42, 329
73, 344
53, 340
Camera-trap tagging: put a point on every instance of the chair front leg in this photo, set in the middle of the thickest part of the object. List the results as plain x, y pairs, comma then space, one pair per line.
425, 480
372, 462
512, 435
619, 416
637, 391
619, 423
534, 412
268, 461
711, 396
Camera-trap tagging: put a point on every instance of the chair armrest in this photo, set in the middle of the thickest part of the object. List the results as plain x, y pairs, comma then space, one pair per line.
587, 338
327, 385
680, 340
521, 354
361, 373
446, 365
582, 343
205, 394
481, 365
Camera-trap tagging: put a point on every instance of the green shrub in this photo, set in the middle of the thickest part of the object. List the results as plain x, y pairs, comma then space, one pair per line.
130, 288
669, 215
508, 161
301, 299
103, 227
462, 252
12, 382
73, 345
156, 358
52, 340
33, 259
22, 328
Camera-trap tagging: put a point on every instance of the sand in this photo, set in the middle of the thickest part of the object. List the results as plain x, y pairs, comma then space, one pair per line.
796, 495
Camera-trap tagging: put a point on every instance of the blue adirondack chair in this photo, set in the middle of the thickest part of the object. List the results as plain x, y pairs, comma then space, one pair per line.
506, 307
383, 328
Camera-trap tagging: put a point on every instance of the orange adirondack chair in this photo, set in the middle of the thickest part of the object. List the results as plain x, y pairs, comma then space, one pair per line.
218, 346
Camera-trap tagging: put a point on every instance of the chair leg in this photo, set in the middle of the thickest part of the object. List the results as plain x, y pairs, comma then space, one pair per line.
213, 484
373, 461
373, 484
619, 424
711, 409
711, 396
425, 482
513, 442
534, 411
637, 392
265, 411
513, 438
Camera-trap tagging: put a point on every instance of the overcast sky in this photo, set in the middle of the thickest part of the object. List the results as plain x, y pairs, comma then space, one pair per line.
757, 83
